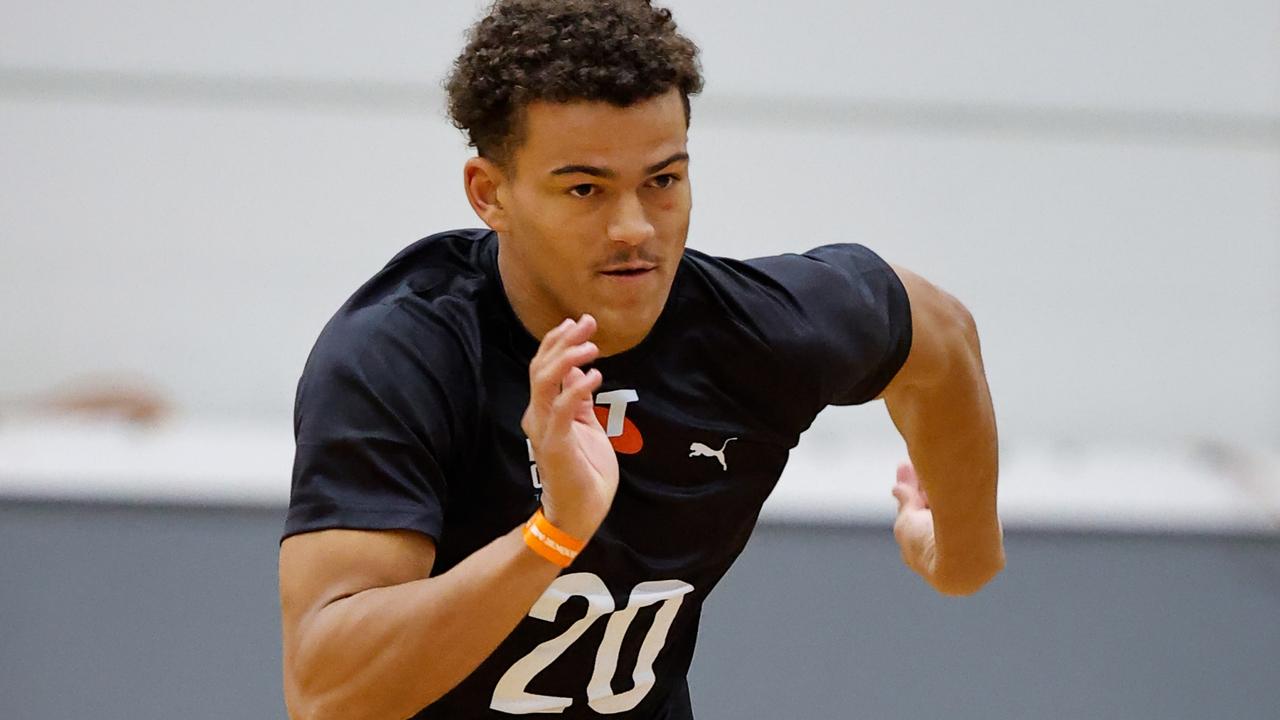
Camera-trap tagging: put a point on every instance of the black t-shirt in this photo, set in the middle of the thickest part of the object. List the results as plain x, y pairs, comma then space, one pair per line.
408, 417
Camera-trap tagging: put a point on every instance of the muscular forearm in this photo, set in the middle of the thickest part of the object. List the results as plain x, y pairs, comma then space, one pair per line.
367, 634
950, 431
387, 652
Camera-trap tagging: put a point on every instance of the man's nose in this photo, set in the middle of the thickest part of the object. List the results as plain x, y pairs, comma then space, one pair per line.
629, 223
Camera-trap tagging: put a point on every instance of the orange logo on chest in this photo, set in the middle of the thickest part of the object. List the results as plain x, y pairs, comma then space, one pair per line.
611, 412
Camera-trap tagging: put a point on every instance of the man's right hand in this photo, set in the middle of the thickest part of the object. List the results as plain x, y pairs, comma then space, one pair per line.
576, 462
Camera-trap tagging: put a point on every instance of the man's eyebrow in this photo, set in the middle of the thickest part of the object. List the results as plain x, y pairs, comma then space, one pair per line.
673, 159
584, 170
610, 174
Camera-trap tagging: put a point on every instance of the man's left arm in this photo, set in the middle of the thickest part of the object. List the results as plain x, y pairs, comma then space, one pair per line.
947, 526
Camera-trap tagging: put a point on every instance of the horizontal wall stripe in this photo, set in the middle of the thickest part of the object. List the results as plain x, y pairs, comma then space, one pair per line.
1072, 123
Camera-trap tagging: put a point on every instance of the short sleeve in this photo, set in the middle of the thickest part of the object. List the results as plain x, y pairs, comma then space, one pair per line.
850, 317
376, 426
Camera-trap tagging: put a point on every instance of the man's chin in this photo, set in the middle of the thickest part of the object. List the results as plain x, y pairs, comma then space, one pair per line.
623, 327
627, 309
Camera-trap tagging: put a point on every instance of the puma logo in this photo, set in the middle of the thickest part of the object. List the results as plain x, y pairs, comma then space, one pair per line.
699, 450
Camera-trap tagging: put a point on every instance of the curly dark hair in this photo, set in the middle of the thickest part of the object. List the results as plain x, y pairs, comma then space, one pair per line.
617, 51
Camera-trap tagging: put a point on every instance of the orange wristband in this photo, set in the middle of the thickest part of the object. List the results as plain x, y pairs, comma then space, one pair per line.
549, 541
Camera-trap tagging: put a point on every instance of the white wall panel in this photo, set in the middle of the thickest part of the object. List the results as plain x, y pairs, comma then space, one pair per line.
396, 41
1124, 291
1132, 54
1206, 57
204, 248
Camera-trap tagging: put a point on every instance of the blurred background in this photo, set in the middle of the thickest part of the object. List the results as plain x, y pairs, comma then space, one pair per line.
189, 190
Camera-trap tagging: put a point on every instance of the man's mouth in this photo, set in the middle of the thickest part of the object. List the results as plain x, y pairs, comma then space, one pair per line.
628, 270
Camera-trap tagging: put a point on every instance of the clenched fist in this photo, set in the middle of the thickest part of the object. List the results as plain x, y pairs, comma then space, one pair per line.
913, 528
963, 573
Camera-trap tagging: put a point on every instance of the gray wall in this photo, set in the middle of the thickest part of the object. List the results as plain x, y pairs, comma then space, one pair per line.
134, 612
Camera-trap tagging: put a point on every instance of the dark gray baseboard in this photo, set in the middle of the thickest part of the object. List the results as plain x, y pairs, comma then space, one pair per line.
121, 612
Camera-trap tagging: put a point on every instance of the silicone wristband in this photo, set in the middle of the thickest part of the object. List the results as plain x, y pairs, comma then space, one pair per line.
549, 541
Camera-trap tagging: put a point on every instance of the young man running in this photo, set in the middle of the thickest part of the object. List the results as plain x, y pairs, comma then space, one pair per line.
526, 454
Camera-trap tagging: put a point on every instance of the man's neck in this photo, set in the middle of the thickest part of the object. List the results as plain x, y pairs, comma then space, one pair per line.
538, 312
537, 317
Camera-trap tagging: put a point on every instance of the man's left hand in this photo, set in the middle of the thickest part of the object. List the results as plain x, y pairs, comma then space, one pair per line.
913, 528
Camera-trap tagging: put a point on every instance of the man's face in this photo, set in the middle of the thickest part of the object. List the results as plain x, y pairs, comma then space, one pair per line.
596, 215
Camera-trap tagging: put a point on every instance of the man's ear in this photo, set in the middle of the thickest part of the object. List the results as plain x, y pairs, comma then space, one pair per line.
486, 186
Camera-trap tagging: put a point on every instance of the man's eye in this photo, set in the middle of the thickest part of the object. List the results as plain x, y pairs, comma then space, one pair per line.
584, 190
665, 181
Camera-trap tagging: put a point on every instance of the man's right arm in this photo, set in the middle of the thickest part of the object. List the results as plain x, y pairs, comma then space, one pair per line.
368, 633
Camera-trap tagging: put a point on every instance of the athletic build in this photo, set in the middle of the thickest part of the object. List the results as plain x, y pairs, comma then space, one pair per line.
575, 358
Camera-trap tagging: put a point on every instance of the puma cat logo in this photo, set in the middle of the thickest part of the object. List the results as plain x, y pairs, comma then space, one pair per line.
699, 450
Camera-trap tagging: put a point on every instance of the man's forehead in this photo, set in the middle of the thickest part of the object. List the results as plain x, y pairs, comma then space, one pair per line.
602, 135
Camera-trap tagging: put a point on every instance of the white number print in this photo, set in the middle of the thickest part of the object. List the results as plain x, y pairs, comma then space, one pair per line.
600, 696
510, 694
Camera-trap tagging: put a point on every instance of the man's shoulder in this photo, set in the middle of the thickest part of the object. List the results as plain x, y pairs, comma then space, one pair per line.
775, 278
759, 269
790, 302
738, 286
420, 312
427, 277
450, 248
454, 263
